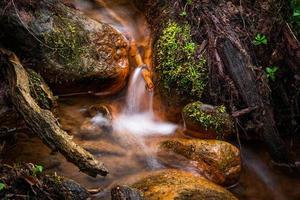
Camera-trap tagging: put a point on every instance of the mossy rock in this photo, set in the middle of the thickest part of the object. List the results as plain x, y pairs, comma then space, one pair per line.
24, 181
64, 45
182, 73
40, 91
206, 121
217, 160
180, 185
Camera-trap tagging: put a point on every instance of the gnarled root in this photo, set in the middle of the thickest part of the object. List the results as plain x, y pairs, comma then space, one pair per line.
42, 121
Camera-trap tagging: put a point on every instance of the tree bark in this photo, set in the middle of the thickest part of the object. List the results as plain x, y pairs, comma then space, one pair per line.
41, 121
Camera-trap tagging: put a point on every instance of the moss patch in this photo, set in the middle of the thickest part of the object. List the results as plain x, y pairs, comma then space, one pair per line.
179, 69
69, 43
216, 119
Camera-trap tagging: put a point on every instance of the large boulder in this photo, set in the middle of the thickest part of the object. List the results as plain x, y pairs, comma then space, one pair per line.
62, 44
180, 185
217, 160
206, 121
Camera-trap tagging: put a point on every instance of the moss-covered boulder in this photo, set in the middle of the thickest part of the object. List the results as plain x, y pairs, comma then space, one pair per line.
40, 91
206, 121
180, 185
217, 160
181, 69
64, 45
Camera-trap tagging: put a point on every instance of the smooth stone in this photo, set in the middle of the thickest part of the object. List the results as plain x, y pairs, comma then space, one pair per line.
180, 185
217, 160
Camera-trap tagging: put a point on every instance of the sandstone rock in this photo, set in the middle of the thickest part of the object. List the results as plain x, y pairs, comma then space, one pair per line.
63, 44
217, 160
180, 185
206, 121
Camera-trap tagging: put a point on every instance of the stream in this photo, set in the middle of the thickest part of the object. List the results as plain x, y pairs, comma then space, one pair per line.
128, 148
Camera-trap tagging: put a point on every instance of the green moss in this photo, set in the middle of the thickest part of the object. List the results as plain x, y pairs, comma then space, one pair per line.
36, 83
69, 43
217, 120
178, 68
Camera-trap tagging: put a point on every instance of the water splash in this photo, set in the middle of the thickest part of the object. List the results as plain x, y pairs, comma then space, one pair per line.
138, 117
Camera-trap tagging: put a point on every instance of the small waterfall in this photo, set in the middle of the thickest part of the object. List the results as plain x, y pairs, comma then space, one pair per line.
138, 118
138, 98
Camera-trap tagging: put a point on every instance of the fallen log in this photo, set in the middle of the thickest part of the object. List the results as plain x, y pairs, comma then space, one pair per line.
42, 121
241, 72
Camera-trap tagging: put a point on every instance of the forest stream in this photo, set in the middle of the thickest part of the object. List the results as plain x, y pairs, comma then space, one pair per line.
124, 128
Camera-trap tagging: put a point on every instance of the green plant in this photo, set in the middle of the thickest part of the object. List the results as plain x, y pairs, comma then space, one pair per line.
38, 169
217, 120
179, 70
260, 39
271, 72
296, 8
2, 186
295, 17
183, 13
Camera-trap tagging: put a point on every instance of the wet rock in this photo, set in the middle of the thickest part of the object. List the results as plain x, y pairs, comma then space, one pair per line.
217, 160
105, 110
29, 183
98, 124
125, 193
63, 45
40, 91
180, 185
66, 188
206, 121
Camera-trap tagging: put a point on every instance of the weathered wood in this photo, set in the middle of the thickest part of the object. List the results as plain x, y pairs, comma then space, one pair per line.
240, 70
41, 121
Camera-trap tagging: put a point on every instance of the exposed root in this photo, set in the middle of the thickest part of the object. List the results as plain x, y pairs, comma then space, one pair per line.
41, 121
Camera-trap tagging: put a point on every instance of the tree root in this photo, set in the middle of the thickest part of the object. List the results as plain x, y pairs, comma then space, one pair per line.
42, 121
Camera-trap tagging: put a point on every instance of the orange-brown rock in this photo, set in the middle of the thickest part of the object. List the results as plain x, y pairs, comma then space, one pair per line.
217, 160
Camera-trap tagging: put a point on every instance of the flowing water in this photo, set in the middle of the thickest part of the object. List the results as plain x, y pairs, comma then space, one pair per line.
127, 142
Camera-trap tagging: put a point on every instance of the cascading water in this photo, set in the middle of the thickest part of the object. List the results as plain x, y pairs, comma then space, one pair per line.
138, 118
138, 99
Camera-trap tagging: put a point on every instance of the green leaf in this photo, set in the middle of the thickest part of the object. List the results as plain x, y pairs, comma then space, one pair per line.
296, 13
269, 70
2, 186
260, 39
183, 13
38, 169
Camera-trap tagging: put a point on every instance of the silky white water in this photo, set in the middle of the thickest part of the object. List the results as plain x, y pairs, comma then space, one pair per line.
137, 118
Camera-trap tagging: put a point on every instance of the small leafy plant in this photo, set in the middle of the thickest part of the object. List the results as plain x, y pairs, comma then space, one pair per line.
38, 169
260, 39
2, 186
296, 8
271, 72
183, 14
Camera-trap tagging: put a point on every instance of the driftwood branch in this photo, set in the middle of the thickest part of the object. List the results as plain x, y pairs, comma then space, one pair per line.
41, 121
